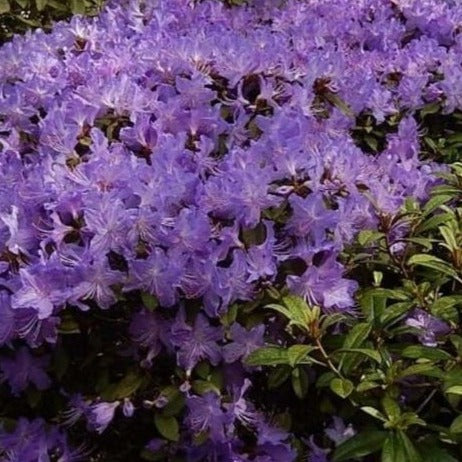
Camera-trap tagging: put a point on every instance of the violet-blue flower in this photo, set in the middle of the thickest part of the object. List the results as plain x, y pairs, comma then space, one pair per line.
23, 368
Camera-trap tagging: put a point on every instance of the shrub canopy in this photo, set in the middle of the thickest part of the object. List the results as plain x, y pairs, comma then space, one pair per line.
168, 170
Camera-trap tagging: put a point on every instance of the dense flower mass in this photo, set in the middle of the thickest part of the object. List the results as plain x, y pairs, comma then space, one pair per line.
171, 162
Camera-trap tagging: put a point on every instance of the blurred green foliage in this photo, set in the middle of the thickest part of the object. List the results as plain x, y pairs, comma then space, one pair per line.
17, 16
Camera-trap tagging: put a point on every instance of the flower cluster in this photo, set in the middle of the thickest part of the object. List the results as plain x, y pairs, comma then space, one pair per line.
170, 163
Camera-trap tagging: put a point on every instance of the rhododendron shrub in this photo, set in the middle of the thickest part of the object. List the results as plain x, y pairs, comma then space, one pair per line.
205, 213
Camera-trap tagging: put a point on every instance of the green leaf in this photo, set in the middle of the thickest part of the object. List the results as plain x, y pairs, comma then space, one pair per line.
355, 338
77, 6
426, 369
372, 304
297, 353
360, 445
123, 389
367, 385
454, 390
278, 376
204, 386
357, 335
167, 426
422, 241
128, 385
280, 309
455, 138
392, 451
149, 301
398, 447
435, 202
268, 356
433, 453
374, 413
325, 379
372, 142
369, 236
4, 6
300, 382
254, 236
391, 407
330, 319
433, 146
419, 351
341, 387
57, 5
456, 426
435, 263
393, 312
150, 456
433, 222
409, 449
456, 340
449, 237
229, 317
176, 402
431, 108
338, 102
394, 294
68, 325
453, 379
203, 370
445, 308
373, 354
40, 4
22, 3
297, 311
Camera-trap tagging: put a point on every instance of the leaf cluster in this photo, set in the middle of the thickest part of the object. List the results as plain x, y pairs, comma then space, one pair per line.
18, 16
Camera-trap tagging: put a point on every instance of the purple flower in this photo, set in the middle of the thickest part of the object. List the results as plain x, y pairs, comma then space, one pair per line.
22, 235
100, 415
243, 342
310, 217
34, 441
77, 408
128, 408
240, 408
43, 289
108, 224
233, 281
429, 326
142, 137
158, 274
149, 331
96, 280
261, 259
7, 320
23, 369
205, 413
196, 342
323, 285
316, 454
269, 434
338, 432
33, 330
155, 444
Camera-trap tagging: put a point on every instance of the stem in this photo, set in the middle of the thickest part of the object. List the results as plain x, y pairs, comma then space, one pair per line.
426, 401
327, 359
396, 261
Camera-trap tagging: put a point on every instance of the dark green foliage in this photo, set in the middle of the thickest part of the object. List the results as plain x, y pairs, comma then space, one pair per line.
18, 16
